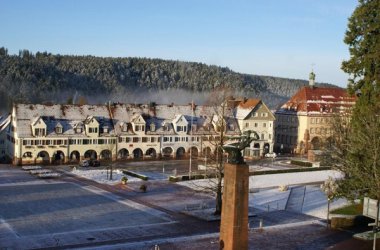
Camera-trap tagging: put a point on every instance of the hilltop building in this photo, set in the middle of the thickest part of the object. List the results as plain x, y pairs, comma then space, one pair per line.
70, 133
304, 121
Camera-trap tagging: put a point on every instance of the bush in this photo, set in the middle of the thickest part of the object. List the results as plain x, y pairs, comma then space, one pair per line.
124, 179
143, 188
301, 163
142, 177
290, 170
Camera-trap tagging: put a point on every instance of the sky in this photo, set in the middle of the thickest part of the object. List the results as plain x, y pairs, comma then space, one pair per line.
263, 37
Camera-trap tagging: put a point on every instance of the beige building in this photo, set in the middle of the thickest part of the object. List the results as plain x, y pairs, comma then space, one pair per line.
70, 133
304, 121
253, 114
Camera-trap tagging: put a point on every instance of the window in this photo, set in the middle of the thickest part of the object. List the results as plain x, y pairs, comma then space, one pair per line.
265, 114
312, 120
179, 128
176, 139
101, 141
145, 139
152, 127
152, 139
86, 141
2, 142
246, 124
317, 120
312, 131
136, 139
262, 136
166, 139
270, 136
93, 130
255, 124
137, 128
58, 130
127, 139
264, 125
78, 130
39, 131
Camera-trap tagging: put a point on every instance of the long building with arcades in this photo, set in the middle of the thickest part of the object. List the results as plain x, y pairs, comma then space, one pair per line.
56, 134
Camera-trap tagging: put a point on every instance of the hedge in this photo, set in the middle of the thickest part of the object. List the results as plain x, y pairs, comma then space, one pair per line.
143, 177
187, 178
289, 170
301, 163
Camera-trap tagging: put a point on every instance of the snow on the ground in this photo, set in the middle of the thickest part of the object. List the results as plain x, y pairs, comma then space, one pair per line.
275, 180
315, 202
100, 175
270, 199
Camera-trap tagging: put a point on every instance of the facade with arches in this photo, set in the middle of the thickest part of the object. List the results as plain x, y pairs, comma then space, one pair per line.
58, 134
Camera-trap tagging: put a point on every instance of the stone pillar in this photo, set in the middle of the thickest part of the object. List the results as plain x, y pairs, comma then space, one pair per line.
234, 219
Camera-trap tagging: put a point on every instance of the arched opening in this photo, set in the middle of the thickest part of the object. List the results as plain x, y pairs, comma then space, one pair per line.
256, 150
43, 157
167, 152
315, 143
193, 152
91, 154
266, 148
58, 156
106, 154
207, 151
180, 153
151, 153
123, 154
137, 153
27, 155
75, 156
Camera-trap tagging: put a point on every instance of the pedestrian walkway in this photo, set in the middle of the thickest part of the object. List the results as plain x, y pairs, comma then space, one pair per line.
296, 199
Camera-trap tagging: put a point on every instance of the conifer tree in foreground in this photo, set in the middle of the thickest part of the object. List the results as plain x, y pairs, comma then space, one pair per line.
359, 151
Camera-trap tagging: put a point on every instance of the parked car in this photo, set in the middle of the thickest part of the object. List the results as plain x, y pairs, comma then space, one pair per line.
271, 155
94, 163
84, 163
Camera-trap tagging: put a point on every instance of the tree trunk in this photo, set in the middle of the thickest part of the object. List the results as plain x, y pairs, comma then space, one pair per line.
218, 204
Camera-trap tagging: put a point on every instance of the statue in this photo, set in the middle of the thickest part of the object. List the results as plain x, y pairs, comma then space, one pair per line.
234, 149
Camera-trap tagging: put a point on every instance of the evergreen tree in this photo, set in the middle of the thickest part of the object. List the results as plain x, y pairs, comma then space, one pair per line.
360, 157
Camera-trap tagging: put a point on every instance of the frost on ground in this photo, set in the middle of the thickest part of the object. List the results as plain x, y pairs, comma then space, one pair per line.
100, 175
270, 198
315, 202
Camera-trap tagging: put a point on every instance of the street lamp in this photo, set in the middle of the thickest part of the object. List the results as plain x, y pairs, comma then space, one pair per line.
329, 188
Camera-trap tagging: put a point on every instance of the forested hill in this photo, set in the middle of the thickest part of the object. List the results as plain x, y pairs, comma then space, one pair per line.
44, 77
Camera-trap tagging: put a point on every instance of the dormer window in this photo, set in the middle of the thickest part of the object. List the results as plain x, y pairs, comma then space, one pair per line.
58, 130
78, 130
232, 127
93, 130
39, 132
105, 129
152, 127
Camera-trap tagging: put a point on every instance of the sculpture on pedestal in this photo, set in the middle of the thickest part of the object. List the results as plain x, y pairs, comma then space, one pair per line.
234, 149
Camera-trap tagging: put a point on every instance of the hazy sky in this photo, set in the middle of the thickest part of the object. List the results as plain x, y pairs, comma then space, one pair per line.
266, 37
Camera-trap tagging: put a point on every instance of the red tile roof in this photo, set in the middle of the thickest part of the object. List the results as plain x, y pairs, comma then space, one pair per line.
319, 99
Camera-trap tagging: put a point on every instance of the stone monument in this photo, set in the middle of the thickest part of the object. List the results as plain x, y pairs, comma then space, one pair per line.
234, 218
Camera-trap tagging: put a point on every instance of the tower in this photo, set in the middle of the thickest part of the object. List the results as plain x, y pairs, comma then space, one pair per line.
311, 79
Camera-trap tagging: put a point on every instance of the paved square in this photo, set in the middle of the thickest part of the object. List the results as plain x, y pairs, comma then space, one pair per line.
38, 209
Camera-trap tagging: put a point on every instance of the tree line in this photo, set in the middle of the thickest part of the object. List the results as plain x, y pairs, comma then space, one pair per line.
45, 77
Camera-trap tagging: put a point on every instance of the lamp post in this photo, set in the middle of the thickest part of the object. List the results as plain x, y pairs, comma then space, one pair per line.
329, 188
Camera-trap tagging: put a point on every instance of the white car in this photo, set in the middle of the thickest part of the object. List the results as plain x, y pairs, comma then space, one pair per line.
271, 155
84, 163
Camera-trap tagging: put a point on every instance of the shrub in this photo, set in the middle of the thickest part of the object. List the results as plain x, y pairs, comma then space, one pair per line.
301, 163
143, 188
